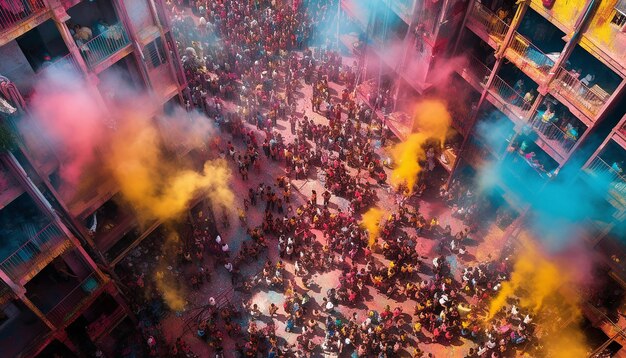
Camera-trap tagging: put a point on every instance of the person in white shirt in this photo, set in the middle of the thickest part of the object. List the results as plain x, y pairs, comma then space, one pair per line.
527, 319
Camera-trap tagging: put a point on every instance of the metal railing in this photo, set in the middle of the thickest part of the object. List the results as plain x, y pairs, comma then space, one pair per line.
72, 301
509, 95
477, 69
103, 325
553, 134
63, 64
537, 167
34, 251
493, 25
12, 12
531, 53
576, 92
104, 45
617, 180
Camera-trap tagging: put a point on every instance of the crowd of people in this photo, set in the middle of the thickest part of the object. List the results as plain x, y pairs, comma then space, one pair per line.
247, 63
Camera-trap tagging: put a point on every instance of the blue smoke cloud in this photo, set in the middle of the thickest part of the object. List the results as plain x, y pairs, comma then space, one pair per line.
561, 202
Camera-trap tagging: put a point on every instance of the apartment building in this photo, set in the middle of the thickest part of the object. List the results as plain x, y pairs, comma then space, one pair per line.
543, 77
56, 291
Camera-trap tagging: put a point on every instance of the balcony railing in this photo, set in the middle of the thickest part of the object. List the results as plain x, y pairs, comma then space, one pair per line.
104, 45
72, 301
560, 140
617, 180
493, 25
477, 69
509, 95
35, 253
531, 54
576, 92
63, 64
12, 12
536, 166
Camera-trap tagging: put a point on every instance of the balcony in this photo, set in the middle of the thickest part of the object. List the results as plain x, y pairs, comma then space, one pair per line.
23, 332
612, 175
38, 149
113, 222
475, 73
487, 25
560, 140
74, 301
105, 323
588, 100
509, 100
65, 64
9, 187
104, 45
529, 58
13, 13
35, 254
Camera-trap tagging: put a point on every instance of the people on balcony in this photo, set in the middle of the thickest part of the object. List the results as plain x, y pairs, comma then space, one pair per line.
100, 27
515, 97
588, 81
82, 33
528, 99
547, 118
571, 135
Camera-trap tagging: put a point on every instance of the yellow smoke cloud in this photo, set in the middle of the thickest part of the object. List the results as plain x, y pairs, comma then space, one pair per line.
371, 222
539, 283
166, 282
159, 185
431, 121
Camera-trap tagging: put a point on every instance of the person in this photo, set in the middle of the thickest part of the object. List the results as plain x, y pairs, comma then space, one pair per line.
273, 310
326, 196
618, 167
293, 122
82, 33
255, 312
588, 80
547, 118
47, 61
528, 98
570, 136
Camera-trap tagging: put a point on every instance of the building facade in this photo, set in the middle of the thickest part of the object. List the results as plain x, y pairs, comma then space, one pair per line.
545, 77
58, 250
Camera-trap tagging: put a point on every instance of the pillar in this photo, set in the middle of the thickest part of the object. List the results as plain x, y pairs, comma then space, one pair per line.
132, 33
42, 203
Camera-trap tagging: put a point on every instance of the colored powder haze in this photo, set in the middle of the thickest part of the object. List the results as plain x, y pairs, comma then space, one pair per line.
152, 176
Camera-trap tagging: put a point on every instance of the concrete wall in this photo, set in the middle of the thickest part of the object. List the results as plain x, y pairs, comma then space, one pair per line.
15, 66
139, 14
87, 13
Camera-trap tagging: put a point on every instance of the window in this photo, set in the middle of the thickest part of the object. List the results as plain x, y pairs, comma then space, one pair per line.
619, 16
155, 54
618, 19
